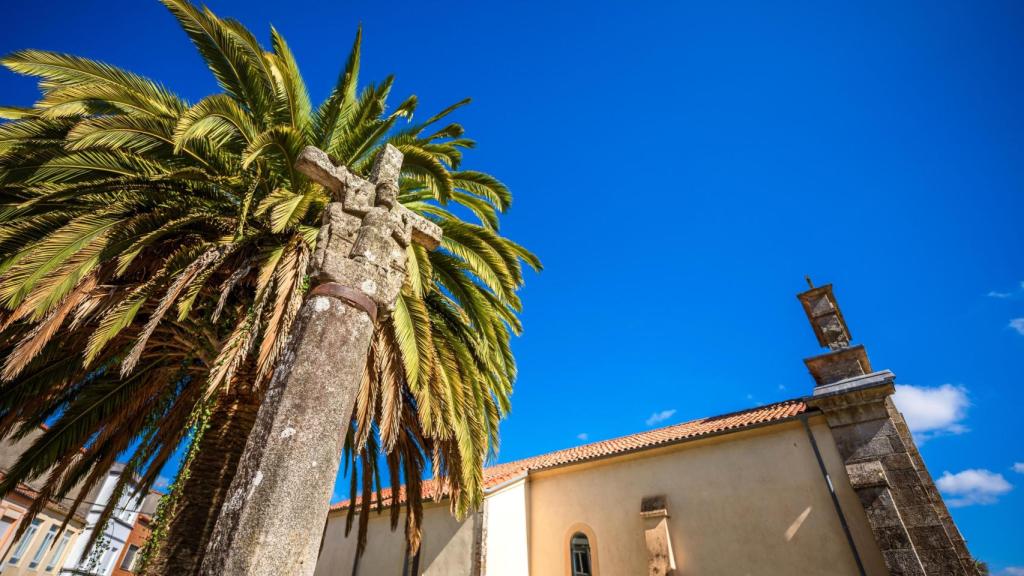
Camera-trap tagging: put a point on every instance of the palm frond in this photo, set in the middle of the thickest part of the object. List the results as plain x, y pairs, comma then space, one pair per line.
120, 202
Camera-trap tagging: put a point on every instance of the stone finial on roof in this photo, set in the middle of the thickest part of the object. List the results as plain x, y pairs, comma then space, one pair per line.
825, 316
842, 360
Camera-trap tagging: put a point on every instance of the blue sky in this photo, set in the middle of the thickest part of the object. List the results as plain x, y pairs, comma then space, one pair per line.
680, 167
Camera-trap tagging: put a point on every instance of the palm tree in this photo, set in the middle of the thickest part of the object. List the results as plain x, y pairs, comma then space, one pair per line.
153, 255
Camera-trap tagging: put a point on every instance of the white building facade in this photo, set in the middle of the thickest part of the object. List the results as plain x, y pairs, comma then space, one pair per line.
101, 561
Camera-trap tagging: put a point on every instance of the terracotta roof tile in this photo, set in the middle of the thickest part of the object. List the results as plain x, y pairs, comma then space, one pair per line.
31, 493
500, 473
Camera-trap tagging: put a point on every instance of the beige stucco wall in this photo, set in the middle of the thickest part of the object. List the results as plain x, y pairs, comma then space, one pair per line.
14, 508
745, 503
447, 547
506, 539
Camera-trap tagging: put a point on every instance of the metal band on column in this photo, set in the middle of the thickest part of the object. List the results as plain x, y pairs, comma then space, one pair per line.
350, 296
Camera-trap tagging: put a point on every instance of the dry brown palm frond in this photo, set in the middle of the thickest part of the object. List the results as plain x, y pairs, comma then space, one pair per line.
102, 297
208, 258
391, 386
46, 494
287, 301
19, 313
235, 350
366, 404
225, 289
29, 347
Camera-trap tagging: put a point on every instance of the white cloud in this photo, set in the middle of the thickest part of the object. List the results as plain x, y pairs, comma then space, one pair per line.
1011, 571
975, 486
1018, 467
659, 417
932, 412
162, 482
1018, 325
583, 436
1010, 294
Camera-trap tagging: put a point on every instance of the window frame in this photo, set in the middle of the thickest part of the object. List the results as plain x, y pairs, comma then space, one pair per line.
127, 509
11, 522
40, 554
580, 529
131, 553
65, 539
579, 551
22, 545
109, 560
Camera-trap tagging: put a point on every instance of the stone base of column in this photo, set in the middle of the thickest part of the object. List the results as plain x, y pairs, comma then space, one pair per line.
903, 507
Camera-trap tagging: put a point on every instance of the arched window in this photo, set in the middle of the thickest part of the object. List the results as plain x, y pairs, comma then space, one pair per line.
579, 552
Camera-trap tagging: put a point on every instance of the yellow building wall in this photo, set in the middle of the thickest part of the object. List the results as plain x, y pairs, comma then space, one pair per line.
9, 508
747, 503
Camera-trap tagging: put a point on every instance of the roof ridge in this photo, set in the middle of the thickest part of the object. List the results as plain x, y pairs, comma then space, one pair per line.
652, 431
497, 474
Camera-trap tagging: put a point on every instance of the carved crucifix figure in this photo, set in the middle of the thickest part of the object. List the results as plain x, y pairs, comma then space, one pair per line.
273, 517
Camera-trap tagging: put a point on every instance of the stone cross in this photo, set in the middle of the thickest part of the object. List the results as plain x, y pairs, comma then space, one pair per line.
362, 244
274, 513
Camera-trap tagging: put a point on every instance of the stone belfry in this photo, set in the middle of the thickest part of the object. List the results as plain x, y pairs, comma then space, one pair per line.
842, 360
906, 513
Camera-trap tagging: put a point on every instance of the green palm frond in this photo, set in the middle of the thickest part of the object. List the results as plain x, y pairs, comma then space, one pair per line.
217, 120
337, 108
229, 51
293, 107
136, 134
62, 71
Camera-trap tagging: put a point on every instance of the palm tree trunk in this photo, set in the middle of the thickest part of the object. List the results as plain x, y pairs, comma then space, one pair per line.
211, 472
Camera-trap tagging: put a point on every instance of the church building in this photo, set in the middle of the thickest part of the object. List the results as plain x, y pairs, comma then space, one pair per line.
830, 483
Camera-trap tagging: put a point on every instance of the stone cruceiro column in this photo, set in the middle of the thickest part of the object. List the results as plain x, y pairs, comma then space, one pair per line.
273, 517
